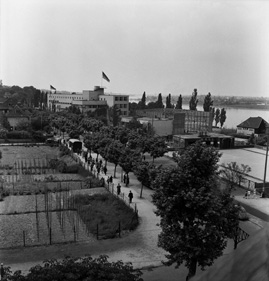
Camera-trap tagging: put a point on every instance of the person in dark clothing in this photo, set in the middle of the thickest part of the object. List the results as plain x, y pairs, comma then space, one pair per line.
118, 189
105, 170
130, 195
127, 180
111, 179
124, 178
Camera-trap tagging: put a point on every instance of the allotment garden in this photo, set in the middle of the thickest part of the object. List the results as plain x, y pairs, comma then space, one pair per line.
42, 203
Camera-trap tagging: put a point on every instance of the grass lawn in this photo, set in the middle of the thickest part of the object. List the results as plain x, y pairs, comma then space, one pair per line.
106, 211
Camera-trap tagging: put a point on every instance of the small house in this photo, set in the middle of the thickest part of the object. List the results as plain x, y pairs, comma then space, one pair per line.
253, 125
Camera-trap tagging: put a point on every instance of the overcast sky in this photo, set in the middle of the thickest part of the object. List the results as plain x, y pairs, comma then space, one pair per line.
157, 46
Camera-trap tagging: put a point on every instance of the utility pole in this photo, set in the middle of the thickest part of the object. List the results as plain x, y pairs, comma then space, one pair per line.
266, 156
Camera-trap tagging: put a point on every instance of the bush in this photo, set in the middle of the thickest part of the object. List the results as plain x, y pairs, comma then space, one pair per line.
107, 211
18, 135
38, 136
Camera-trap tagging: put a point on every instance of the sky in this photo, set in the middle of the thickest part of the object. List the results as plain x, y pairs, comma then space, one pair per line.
159, 46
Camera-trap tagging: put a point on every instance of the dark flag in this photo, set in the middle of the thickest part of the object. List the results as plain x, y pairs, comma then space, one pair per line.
52, 88
105, 77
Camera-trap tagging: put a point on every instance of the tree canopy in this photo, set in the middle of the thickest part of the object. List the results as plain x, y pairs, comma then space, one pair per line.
193, 101
196, 216
179, 102
208, 103
78, 269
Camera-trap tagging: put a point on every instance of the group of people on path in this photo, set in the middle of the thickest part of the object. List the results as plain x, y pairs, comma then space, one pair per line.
97, 166
130, 195
248, 194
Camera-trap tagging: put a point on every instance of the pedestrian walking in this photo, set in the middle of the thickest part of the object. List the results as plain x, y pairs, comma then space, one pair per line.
127, 180
254, 193
108, 180
130, 195
105, 170
118, 189
124, 178
248, 196
111, 179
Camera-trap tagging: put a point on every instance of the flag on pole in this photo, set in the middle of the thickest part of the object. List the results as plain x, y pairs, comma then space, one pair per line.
105, 77
52, 88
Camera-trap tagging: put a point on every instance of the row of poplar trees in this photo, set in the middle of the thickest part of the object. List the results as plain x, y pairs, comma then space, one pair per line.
219, 115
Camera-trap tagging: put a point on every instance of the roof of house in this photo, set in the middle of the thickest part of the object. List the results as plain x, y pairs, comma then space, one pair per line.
252, 122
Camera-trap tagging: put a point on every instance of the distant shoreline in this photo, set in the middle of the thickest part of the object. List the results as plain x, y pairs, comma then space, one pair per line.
234, 106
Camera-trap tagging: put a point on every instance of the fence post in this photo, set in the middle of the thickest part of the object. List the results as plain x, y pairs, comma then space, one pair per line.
2, 271
23, 234
97, 234
119, 229
50, 234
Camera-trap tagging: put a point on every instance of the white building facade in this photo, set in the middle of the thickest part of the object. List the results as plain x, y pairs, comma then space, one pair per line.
88, 100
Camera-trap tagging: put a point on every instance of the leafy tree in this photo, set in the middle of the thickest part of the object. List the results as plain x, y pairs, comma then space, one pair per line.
157, 147
145, 172
208, 103
159, 102
113, 153
151, 105
196, 217
133, 106
168, 102
193, 101
179, 102
235, 174
142, 103
134, 124
70, 269
217, 116
128, 159
222, 116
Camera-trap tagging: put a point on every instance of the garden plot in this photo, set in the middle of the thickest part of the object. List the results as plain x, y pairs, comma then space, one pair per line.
42, 219
10, 154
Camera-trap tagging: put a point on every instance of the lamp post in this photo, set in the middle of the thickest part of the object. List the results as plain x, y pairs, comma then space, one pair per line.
266, 156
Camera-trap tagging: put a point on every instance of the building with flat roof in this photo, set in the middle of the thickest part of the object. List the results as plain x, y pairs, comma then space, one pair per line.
88, 100
214, 139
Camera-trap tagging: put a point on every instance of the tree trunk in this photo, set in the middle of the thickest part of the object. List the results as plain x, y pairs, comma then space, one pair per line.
115, 171
192, 269
141, 190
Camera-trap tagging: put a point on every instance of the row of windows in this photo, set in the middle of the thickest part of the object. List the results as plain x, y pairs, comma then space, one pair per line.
122, 105
73, 98
121, 99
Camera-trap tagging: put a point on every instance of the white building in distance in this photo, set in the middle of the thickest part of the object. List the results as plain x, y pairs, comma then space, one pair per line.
88, 100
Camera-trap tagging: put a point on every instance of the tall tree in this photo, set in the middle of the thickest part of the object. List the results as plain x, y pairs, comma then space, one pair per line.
193, 101
208, 103
168, 102
114, 152
179, 102
222, 116
217, 116
196, 216
159, 102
